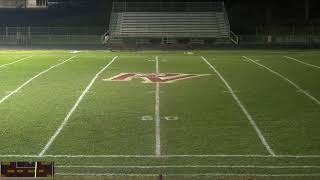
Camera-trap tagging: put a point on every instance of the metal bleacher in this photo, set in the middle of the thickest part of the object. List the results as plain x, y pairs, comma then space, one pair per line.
168, 20
171, 24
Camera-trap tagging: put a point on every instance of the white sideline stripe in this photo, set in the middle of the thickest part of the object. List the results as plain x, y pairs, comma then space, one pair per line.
244, 110
241, 175
286, 79
15, 61
157, 114
165, 156
46, 147
246, 155
297, 60
194, 166
193, 175
105, 174
33, 78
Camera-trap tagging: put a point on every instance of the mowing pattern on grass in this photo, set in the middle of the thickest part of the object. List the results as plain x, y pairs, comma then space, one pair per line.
212, 113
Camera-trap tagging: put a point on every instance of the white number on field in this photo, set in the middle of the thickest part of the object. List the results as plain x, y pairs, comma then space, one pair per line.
147, 118
171, 118
168, 118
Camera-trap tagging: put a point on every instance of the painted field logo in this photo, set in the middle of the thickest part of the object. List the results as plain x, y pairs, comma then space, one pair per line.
154, 77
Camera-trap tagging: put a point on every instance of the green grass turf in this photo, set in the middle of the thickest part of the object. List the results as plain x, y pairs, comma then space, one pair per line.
210, 122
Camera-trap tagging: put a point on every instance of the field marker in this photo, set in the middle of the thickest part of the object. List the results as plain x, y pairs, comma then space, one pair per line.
297, 60
193, 166
192, 175
157, 113
147, 118
242, 107
33, 78
235, 91
4, 65
171, 118
286, 79
57, 132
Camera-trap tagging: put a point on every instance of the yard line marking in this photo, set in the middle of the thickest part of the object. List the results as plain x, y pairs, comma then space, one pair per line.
104, 174
254, 175
33, 78
192, 175
166, 156
302, 62
4, 65
286, 79
193, 166
242, 107
19, 156
157, 113
246, 155
57, 132
299, 156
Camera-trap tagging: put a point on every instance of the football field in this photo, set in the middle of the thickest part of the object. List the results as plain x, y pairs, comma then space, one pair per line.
200, 115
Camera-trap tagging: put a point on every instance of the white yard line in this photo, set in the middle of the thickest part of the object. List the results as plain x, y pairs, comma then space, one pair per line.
165, 156
286, 79
4, 65
64, 122
297, 60
33, 78
242, 107
192, 166
157, 114
188, 175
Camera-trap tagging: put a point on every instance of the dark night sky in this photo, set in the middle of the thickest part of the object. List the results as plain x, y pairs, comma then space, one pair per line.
96, 13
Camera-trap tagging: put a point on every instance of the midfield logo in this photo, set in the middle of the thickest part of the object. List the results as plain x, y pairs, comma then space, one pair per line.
154, 77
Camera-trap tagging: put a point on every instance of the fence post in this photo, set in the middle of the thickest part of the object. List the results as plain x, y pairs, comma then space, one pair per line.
29, 34
293, 30
2, 32
6, 31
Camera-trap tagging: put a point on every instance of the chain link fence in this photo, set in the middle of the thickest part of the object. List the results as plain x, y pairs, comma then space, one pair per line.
29, 36
51, 35
302, 40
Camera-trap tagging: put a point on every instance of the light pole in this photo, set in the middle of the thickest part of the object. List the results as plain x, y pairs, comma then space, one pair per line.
307, 10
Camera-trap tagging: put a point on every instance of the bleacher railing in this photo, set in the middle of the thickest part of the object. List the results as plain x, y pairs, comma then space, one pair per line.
167, 6
234, 38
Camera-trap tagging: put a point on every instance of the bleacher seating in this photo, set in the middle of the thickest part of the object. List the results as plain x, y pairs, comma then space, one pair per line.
177, 24
173, 24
